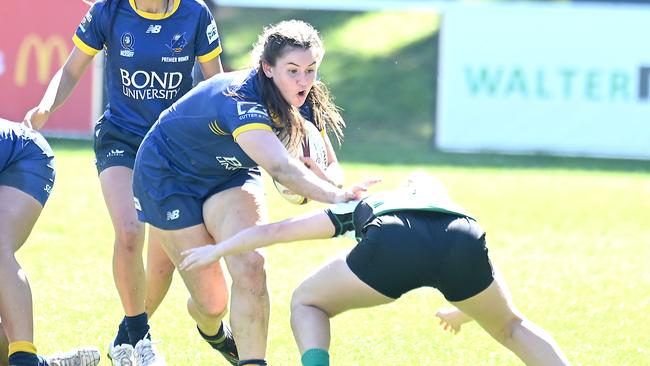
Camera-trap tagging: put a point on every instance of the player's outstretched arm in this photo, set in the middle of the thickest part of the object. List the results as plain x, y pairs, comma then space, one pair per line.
59, 89
315, 225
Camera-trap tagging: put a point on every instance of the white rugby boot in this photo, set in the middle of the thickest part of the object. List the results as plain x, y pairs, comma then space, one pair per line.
121, 355
86, 356
146, 354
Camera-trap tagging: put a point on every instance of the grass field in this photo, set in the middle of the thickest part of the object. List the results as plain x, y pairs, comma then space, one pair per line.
570, 236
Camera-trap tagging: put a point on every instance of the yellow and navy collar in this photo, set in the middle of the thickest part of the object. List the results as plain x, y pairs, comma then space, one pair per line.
155, 16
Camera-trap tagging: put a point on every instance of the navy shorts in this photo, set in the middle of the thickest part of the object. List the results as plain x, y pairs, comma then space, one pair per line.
30, 168
114, 145
170, 200
406, 250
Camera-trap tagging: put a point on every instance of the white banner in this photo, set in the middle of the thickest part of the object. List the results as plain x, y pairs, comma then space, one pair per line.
545, 78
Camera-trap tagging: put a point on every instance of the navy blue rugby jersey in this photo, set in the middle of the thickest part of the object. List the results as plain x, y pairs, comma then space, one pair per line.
198, 132
149, 56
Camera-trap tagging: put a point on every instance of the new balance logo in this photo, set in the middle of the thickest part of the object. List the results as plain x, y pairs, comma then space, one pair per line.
230, 163
173, 215
114, 153
154, 28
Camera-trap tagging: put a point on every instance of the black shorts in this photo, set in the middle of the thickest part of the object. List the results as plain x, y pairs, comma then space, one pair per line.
403, 251
114, 145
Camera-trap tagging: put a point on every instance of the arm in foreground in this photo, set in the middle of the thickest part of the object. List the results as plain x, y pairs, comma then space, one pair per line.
267, 151
315, 225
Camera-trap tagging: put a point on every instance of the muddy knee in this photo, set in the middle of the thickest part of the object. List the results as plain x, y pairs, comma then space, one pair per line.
247, 271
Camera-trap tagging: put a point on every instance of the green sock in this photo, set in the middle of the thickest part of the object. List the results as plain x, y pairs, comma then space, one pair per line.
315, 357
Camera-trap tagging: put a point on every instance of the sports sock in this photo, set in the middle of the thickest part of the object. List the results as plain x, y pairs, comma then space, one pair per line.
137, 327
315, 357
23, 353
253, 361
214, 340
122, 336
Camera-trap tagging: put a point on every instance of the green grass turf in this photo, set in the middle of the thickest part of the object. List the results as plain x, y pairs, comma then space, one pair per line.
571, 241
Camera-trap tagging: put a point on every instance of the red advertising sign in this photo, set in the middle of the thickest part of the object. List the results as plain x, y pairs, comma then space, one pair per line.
35, 40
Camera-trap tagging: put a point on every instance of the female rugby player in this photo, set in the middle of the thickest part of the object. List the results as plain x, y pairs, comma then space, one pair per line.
197, 174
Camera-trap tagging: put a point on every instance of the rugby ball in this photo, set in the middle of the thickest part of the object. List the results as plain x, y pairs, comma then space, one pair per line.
313, 146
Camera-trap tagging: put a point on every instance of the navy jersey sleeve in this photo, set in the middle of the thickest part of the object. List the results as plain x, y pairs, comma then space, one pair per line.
341, 216
237, 116
208, 43
89, 37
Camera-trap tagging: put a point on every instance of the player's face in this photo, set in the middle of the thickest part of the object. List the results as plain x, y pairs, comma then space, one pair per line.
294, 74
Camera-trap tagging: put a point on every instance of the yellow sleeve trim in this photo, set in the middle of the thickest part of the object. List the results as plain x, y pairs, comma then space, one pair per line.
210, 55
21, 346
84, 47
250, 127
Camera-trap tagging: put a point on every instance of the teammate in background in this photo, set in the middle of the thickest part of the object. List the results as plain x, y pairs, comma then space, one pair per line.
26, 180
411, 237
151, 46
196, 177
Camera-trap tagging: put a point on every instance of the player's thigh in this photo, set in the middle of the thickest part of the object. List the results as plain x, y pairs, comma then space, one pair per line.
227, 212
157, 260
117, 188
18, 218
492, 308
334, 288
203, 283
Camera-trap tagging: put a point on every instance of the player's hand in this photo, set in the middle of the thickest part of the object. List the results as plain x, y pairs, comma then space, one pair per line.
451, 319
36, 117
199, 257
356, 192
